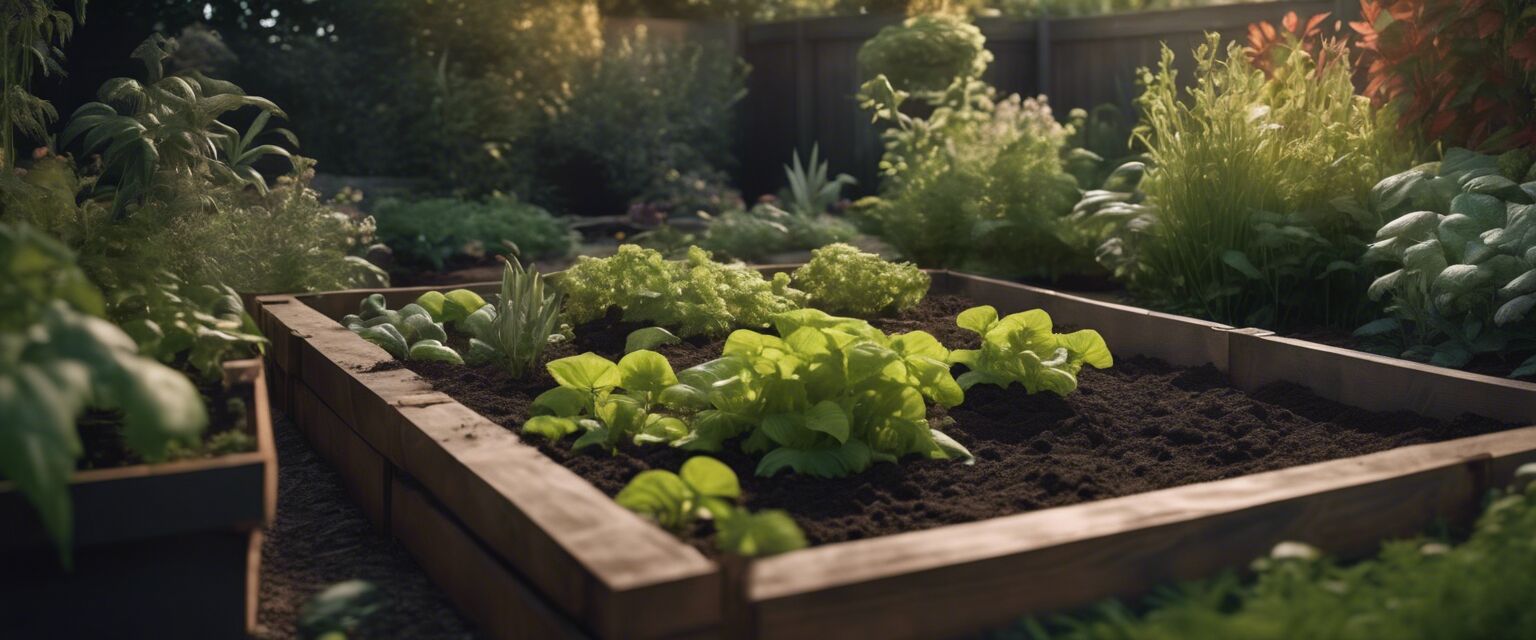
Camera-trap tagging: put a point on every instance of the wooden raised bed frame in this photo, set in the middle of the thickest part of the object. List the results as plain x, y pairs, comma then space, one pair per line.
529, 549
167, 550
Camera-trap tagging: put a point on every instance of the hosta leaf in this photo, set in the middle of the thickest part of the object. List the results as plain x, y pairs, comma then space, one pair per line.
1524, 283
1495, 185
565, 402
1396, 192
459, 303
1412, 226
1515, 310
649, 338
710, 478
1460, 278
1488, 211
645, 372
1427, 257
1239, 261
852, 457
586, 371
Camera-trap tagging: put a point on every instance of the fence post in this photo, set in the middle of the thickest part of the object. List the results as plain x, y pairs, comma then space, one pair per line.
1043, 53
805, 90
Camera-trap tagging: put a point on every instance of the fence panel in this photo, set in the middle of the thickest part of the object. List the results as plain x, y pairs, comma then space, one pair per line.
805, 75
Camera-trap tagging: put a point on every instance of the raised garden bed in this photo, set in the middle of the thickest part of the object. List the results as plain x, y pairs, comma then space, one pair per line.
192, 528
485, 508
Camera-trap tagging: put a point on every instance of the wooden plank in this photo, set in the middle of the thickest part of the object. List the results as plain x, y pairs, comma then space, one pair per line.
559, 530
364, 472
974, 576
553, 526
135, 502
485, 590
1377, 382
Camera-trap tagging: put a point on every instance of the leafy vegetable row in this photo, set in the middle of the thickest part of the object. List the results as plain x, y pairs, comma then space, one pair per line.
827, 396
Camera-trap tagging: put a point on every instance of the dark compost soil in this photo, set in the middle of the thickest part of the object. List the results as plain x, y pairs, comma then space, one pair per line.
1498, 365
1139, 426
101, 432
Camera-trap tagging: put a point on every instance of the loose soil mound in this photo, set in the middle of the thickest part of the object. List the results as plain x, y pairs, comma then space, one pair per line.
1139, 426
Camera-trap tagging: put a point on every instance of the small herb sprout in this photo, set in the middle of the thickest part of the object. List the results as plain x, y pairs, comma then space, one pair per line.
706, 488
841, 279
1022, 348
526, 320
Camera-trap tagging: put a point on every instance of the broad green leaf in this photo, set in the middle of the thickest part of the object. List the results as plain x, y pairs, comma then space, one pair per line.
659, 495
552, 427
710, 478
1515, 310
1488, 211
431, 350
1239, 261
954, 450
1089, 346
458, 304
645, 372
977, 319
649, 338
566, 402
852, 457
1412, 226
586, 371
764, 533
827, 417
159, 405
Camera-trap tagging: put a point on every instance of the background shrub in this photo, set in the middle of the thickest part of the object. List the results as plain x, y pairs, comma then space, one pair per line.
439, 233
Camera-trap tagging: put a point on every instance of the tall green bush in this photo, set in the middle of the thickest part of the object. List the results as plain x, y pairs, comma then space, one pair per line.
438, 232
1257, 186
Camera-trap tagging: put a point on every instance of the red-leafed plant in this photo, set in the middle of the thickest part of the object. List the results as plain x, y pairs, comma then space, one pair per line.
1269, 47
1462, 71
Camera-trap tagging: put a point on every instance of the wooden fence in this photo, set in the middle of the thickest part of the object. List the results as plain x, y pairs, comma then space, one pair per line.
805, 75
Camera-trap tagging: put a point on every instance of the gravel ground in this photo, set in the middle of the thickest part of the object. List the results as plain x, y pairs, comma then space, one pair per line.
321, 537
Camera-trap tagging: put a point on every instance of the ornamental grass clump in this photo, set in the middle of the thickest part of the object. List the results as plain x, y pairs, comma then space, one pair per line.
1257, 183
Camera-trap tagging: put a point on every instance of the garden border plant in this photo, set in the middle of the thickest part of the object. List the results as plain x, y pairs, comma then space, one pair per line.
461, 490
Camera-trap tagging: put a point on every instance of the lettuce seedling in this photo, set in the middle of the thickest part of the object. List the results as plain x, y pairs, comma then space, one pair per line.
590, 400
1022, 348
706, 488
827, 397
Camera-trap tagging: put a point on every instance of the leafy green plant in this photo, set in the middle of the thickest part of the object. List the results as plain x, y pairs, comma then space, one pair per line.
1257, 181
750, 235
201, 326
412, 332
1021, 348
441, 232
1110, 221
589, 401
826, 397
706, 488
524, 320
841, 279
167, 124
696, 295
646, 116
977, 184
240, 151
811, 193
925, 54
1462, 246
1412, 589
30, 40
58, 358
339, 610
